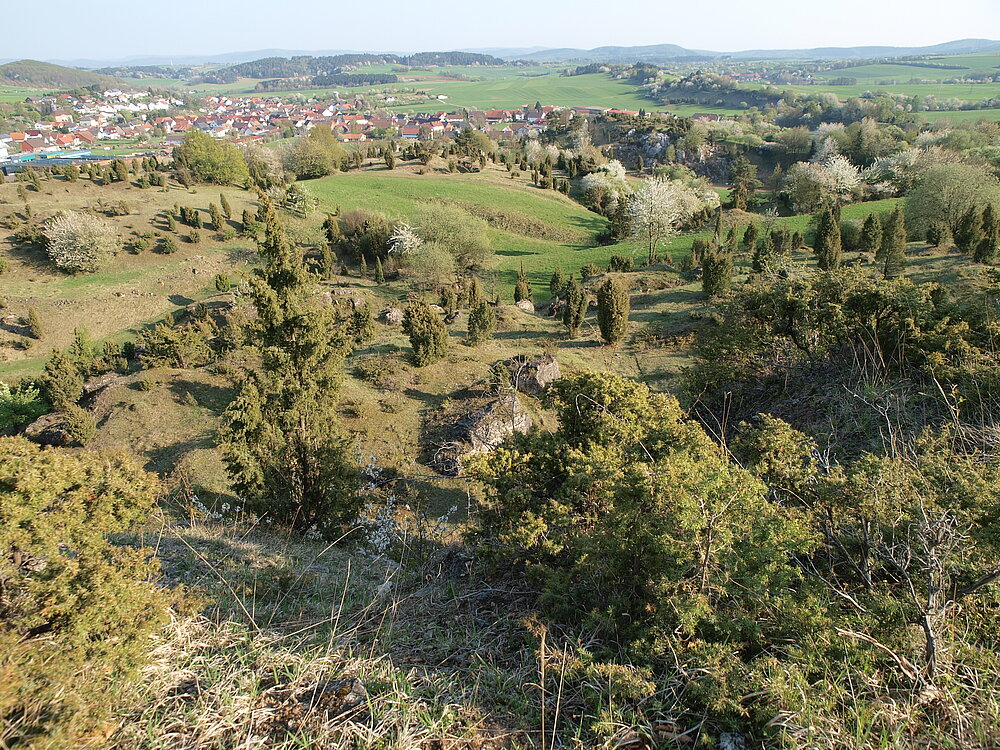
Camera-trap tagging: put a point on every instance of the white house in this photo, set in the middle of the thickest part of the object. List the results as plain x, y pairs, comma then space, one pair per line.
4, 154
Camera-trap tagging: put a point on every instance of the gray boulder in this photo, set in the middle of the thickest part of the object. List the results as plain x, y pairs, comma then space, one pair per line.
393, 315
532, 375
49, 429
526, 305
481, 430
493, 423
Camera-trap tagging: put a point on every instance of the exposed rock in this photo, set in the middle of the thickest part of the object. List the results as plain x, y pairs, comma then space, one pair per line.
526, 305
481, 430
436, 308
49, 429
533, 375
492, 424
393, 315
95, 386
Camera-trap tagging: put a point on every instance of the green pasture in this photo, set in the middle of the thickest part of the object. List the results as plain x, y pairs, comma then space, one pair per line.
401, 195
503, 88
969, 92
921, 69
963, 115
9, 94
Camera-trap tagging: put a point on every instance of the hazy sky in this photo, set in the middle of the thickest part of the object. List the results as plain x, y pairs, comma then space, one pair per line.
115, 29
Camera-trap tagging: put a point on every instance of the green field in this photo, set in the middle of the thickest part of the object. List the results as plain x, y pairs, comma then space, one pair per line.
597, 90
10, 94
964, 115
401, 195
501, 88
965, 64
967, 92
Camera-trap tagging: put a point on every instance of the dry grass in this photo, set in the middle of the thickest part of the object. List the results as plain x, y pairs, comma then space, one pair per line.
303, 644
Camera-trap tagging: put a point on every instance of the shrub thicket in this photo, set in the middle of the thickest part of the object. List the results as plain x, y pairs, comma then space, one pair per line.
76, 611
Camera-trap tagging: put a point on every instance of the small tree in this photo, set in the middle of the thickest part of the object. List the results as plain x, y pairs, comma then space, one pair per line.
80, 424
427, 332
227, 210
279, 435
379, 272
217, 221
745, 183
62, 382
716, 273
989, 245
969, 231
893, 247
557, 284
827, 245
937, 233
656, 210
522, 289
871, 235
361, 325
765, 255
482, 323
612, 310
750, 236
35, 329
473, 293
576, 307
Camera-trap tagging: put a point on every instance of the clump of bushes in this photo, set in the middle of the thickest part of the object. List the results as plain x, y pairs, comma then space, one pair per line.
76, 611
20, 404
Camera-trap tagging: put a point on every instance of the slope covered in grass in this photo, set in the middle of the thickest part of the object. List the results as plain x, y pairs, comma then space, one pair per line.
35, 74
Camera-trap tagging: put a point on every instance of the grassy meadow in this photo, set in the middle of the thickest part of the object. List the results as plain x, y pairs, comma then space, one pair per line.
9, 94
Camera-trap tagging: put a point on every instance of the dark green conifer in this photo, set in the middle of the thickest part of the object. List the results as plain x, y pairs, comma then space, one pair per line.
280, 438
612, 310
576, 307
482, 323
427, 332
893, 248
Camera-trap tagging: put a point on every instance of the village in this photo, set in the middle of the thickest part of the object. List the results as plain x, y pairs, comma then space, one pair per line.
78, 129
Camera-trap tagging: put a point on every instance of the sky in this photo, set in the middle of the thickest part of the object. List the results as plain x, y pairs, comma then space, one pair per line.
116, 29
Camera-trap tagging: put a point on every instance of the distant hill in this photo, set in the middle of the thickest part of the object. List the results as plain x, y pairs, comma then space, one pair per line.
324, 67
43, 75
668, 52
648, 53
226, 58
617, 54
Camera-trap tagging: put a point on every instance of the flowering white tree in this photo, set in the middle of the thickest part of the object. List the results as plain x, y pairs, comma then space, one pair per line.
810, 184
658, 207
534, 152
608, 179
844, 178
893, 175
404, 240
79, 242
